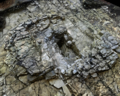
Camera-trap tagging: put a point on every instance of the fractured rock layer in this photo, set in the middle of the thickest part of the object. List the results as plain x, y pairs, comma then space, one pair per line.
60, 48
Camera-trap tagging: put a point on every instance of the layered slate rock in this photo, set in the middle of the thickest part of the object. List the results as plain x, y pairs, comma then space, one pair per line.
59, 48
37, 47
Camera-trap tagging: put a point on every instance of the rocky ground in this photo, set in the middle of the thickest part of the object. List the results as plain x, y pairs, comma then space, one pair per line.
60, 48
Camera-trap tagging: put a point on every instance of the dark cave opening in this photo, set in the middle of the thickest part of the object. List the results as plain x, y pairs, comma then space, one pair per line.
61, 42
2, 22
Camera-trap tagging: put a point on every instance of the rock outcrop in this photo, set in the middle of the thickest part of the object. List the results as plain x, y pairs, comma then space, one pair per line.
60, 48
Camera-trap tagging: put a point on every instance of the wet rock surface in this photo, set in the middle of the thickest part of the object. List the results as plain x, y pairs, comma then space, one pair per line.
60, 48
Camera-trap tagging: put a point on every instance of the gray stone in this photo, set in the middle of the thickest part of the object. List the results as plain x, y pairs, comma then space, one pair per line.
62, 71
114, 47
103, 51
74, 71
102, 64
117, 50
48, 33
50, 75
19, 28
69, 43
112, 40
57, 83
94, 75
28, 22
94, 52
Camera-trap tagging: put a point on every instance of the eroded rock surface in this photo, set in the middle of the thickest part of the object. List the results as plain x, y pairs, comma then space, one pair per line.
58, 48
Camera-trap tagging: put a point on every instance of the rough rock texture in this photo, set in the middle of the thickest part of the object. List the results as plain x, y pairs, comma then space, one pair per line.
60, 48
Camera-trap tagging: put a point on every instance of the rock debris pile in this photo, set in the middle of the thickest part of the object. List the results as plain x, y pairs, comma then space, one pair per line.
35, 46
60, 48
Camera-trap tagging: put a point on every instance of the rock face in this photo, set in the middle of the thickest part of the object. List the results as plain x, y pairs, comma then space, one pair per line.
60, 48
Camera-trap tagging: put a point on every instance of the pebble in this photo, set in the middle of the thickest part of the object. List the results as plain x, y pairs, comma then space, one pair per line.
68, 66
94, 75
69, 43
28, 22
112, 40
62, 71
118, 50
74, 71
114, 47
19, 28
103, 51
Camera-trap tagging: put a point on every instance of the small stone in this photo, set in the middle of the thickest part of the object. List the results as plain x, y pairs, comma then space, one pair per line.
50, 75
66, 37
34, 20
68, 66
99, 47
62, 71
112, 40
107, 46
74, 71
94, 61
85, 73
56, 70
103, 51
78, 76
102, 64
61, 30
91, 71
66, 91
100, 69
94, 52
80, 66
57, 83
45, 46
69, 72
114, 47
23, 79
98, 57
24, 33
31, 78
69, 43
94, 75
31, 8
111, 63
28, 22
54, 21
113, 57
118, 50
19, 28
49, 32
45, 57
87, 67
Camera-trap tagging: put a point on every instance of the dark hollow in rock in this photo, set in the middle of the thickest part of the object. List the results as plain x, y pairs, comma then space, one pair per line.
61, 42
2, 22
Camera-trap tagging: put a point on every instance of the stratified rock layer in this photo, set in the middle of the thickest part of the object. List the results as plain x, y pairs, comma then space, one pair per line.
58, 48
